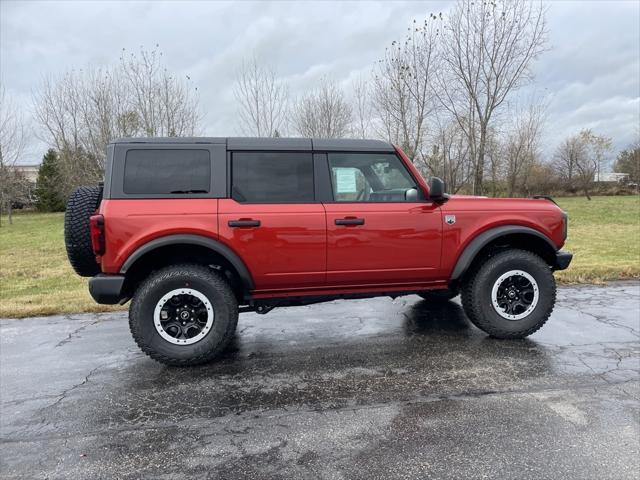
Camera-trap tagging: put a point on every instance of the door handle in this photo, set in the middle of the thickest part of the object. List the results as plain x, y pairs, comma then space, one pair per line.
349, 221
244, 223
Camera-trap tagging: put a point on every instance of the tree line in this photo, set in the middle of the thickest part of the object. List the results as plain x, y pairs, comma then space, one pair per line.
450, 93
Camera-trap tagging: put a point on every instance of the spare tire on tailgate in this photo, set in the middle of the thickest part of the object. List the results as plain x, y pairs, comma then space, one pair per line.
77, 235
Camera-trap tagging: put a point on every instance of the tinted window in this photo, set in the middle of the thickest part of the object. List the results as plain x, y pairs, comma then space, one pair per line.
167, 171
272, 177
369, 177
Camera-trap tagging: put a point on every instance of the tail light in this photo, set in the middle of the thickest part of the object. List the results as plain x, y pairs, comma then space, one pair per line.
96, 226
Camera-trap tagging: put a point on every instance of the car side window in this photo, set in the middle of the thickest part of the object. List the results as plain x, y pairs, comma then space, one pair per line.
272, 177
369, 177
167, 171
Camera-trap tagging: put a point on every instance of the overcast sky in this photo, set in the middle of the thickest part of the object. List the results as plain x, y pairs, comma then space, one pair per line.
591, 75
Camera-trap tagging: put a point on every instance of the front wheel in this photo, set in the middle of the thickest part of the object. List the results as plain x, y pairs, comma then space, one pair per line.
183, 315
510, 295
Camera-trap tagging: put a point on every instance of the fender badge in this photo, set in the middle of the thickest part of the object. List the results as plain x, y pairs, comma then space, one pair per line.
450, 219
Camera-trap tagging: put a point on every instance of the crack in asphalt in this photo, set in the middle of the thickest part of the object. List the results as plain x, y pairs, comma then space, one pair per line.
419, 399
61, 396
75, 333
64, 394
578, 305
328, 391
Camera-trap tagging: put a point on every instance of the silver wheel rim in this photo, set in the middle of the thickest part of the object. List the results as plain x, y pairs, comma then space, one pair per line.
515, 295
183, 316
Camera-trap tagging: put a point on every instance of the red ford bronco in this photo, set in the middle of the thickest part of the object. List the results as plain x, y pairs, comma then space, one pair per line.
197, 230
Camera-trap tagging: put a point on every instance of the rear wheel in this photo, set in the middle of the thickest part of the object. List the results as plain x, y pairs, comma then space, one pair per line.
183, 315
510, 295
439, 295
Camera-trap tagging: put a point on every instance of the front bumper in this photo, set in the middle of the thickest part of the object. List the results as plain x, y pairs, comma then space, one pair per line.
563, 259
107, 289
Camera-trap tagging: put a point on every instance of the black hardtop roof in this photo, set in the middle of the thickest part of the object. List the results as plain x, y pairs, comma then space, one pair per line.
255, 143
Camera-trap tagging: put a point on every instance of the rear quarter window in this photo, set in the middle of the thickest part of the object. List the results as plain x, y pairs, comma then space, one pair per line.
167, 171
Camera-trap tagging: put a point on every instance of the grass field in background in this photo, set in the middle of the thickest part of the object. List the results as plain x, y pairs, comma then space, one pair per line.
36, 279
604, 236
35, 275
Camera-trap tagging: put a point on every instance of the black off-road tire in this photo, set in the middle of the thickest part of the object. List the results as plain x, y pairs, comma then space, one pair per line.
198, 277
476, 294
443, 295
82, 203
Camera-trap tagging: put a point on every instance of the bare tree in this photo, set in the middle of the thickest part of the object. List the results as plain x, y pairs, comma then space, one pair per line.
14, 187
165, 106
362, 108
263, 100
577, 160
565, 160
494, 153
521, 147
403, 87
588, 166
81, 111
541, 179
488, 50
72, 112
323, 112
450, 155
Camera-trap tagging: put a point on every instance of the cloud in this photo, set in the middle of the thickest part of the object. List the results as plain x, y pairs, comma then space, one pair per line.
592, 72
591, 75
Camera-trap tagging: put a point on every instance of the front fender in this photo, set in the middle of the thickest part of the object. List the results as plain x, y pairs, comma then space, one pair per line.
482, 240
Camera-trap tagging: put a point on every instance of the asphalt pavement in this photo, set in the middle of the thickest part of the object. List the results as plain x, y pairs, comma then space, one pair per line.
371, 389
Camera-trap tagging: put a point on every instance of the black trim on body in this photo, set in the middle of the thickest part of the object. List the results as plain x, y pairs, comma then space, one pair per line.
243, 223
322, 178
349, 221
172, 140
106, 289
351, 145
269, 144
482, 240
108, 172
563, 259
226, 252
545, 197
269, 304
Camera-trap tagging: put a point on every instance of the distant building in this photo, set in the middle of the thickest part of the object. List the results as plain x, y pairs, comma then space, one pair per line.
29, 171
612, 177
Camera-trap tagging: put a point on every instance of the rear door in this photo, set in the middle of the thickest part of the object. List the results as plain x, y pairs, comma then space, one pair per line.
273, 221
374, 234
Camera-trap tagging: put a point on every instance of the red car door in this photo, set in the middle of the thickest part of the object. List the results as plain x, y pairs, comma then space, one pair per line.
379, 232
272, 220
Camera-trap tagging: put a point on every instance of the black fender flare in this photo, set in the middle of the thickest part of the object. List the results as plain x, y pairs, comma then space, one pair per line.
482, 240
210, 243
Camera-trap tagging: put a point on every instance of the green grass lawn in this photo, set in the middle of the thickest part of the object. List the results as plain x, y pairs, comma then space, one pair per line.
36, 279
35, 275
604, 236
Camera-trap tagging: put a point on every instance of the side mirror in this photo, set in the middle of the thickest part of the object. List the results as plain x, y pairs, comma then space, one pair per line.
411, 195
436, 190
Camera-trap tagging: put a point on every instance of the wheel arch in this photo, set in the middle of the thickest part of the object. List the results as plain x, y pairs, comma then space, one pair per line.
513, 236
182, 247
